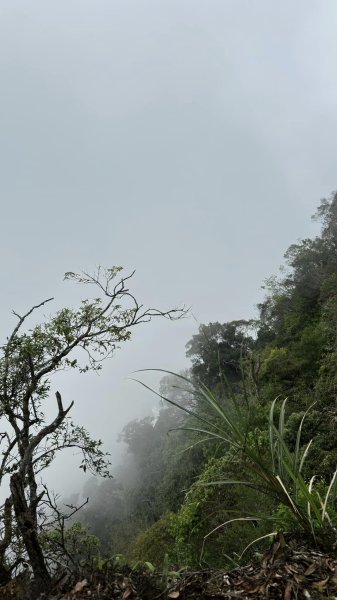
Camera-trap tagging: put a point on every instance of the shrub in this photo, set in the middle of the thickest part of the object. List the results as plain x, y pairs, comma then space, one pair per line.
154, 543
278, 473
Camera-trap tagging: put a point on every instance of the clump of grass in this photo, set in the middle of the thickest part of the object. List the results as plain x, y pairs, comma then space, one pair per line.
276, 473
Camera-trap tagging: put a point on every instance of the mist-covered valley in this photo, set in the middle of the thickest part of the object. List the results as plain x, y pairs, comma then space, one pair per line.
168, 306
180, 488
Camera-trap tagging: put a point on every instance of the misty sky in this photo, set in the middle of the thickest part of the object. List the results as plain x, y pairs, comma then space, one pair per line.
190, 140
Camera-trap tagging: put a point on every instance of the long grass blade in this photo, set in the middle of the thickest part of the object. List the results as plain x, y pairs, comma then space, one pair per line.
223, 525
271, 434
297, 461
229, 482
328, 494
212, 401
191, 446
183, 408
304, 456
209, 433
281, 444
262, 537
290, 501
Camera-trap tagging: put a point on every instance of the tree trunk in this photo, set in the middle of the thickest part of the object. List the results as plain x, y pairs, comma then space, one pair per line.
26, 522
5, 575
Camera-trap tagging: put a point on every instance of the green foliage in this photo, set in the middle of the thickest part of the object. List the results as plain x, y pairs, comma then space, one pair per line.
278, 475
80, 339
74, 546
79, 551
285, 520
233, 430
219, 348
206, 507
155, 543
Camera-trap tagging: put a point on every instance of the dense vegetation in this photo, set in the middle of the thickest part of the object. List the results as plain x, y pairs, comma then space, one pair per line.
163, 501
243, 446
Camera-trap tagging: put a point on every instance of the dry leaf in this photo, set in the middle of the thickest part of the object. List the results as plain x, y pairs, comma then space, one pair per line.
310, 569
80, 585
291, 569
320, 585
288, 590
174, 594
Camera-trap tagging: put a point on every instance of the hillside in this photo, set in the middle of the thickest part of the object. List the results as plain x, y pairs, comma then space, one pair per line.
231, 488
166, 504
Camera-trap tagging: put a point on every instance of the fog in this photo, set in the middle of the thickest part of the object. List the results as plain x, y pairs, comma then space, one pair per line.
189, 140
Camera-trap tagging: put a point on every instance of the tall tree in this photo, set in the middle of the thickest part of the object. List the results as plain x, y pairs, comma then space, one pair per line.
72, 339
217, 350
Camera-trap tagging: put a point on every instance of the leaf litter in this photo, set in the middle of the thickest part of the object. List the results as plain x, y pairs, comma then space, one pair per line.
287, 571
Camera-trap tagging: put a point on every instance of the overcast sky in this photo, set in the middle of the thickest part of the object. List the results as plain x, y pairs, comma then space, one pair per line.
190, 140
